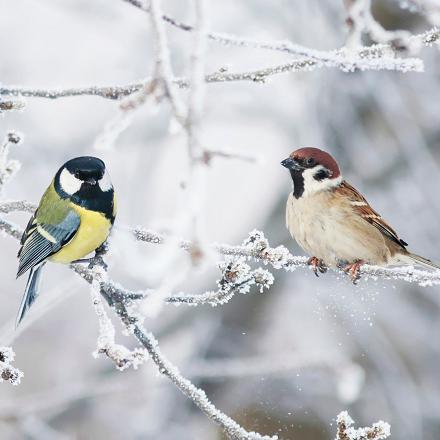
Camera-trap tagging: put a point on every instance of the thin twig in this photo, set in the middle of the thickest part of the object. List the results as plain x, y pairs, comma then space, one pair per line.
164, 71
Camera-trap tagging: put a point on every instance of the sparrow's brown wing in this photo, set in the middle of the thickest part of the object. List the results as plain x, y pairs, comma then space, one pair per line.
363, 208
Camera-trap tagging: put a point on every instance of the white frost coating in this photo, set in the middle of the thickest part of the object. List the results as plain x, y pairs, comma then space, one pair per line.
8, 167
69, 183
120, 355
8, 373
378, 431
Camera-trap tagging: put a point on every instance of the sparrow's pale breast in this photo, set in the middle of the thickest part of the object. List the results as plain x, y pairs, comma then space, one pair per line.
327, 228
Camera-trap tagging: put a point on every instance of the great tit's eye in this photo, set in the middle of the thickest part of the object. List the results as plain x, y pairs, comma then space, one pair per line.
77, 174
310, 162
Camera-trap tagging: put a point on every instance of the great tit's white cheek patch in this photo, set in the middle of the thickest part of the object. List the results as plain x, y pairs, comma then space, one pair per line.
105, 183
69, 183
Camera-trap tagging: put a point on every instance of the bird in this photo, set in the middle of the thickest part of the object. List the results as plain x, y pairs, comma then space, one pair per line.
74, 218
333, 222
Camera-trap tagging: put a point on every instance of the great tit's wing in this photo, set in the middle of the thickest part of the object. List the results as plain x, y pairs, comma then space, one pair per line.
41, 240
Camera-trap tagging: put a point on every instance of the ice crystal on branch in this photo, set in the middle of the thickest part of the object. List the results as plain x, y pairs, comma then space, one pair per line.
120, 355
378, 431
8, 373
8, 167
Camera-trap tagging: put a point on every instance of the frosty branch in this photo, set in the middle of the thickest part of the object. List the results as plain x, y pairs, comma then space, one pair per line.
8, 373
256, 247
375, 57
345, 431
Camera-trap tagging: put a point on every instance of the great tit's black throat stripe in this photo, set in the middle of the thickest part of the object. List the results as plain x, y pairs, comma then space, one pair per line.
298, 183
90, 197
93, 199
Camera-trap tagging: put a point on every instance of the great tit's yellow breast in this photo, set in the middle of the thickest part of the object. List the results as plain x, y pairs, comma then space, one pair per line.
92, 232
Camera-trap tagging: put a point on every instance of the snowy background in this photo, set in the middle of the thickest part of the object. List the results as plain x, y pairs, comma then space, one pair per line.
283, 362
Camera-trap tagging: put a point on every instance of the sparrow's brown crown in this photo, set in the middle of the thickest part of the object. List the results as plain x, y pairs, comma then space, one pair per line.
311, 157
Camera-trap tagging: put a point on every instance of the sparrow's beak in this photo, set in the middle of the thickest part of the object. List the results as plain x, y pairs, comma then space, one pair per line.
291, 164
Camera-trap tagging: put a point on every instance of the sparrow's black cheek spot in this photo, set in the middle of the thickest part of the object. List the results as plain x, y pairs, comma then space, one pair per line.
321, 175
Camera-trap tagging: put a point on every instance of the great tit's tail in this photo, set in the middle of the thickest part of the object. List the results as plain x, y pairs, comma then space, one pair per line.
30, 293
421, 261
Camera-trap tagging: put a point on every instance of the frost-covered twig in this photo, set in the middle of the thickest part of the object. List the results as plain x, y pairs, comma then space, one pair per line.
8, 373
16, 205
379, 430
361, 22
363, 60
256, 248
8, 167
198, 396
120, 355
8, 105
375, 57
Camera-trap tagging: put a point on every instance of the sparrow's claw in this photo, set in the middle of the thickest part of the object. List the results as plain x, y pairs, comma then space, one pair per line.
353, 270
317, 265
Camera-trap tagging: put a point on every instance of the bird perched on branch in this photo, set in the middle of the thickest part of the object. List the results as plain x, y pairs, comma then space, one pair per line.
73, 219
334, 223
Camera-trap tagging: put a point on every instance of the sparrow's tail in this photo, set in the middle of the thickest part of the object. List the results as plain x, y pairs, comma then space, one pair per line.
30, 293
421, 261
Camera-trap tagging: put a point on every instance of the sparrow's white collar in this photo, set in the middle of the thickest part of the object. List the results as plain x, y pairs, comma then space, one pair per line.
312, 186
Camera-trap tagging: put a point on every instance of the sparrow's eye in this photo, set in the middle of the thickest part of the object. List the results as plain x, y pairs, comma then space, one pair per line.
310, 162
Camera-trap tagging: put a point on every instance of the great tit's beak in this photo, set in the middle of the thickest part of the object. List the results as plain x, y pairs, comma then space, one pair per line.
90, 181
291, 164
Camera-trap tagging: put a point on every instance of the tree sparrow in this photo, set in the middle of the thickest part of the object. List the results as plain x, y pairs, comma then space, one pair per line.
335, 224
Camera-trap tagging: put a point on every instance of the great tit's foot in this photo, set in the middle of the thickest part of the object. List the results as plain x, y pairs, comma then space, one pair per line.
317, 265
353, 270
98, 260
102, 250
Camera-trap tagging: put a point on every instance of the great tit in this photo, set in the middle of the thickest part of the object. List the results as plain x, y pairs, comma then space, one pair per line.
73, 219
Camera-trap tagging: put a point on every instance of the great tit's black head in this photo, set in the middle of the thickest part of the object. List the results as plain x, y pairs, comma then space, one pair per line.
312, 170
83, 176
85, 182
